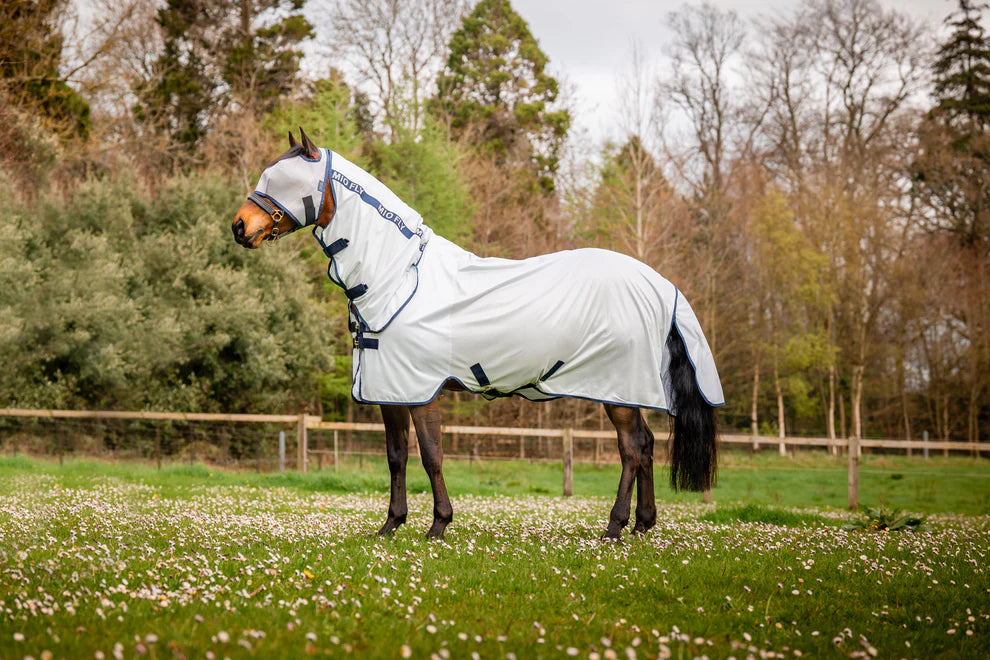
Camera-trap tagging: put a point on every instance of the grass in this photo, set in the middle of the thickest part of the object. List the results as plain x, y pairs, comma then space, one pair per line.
938, 485
191, 561
755, 513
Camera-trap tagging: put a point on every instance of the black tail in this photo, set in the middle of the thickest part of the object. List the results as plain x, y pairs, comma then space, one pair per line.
693, 446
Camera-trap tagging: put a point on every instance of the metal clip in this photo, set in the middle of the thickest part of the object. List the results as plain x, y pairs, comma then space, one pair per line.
276, 217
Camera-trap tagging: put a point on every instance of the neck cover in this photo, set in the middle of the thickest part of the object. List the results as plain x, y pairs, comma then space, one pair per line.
296, 185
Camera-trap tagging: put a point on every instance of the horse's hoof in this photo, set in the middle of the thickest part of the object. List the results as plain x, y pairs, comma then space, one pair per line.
614, 531
436, 531
613, 534
392, 524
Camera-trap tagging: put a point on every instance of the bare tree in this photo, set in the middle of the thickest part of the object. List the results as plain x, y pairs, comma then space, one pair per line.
395, 49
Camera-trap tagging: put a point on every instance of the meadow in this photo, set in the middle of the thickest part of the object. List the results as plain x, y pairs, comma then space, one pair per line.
122, 560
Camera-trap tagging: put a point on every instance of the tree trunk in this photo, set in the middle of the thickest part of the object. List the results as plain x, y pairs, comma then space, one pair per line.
245, 18
856, 400
902, 390
843, 429
754, 421
781, 420
830, 416
973, 430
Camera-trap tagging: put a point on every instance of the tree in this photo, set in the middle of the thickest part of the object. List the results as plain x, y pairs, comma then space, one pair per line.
329, 114
699, 85
31, 54
952, 168
951, 171
787, 278
840, 82
634, 208
424, 169
217, 55
396, 48
495, 89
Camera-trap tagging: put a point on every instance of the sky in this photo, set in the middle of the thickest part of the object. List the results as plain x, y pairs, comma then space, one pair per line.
589, 42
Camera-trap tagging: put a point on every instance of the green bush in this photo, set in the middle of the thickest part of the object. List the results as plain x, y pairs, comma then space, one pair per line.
115, 297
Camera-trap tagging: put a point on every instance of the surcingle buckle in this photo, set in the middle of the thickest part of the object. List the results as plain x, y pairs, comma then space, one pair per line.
360, 341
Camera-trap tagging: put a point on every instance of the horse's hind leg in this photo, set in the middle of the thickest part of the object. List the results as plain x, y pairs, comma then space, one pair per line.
427, 421
634, 440
396, 420
646, 504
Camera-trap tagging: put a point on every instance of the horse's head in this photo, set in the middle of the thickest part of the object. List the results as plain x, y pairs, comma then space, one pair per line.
289, 195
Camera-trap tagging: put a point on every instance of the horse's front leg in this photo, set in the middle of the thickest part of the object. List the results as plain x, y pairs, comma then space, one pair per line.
427, 421
396, 420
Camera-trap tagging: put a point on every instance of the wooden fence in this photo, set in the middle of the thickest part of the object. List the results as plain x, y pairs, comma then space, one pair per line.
305, 423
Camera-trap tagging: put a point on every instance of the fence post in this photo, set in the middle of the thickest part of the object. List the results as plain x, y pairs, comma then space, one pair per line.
522, 448
924, 436
853, 472
568, 462
336, 452
281, 451
301, 440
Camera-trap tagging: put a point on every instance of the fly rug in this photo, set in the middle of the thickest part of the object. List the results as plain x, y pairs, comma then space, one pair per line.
426, 314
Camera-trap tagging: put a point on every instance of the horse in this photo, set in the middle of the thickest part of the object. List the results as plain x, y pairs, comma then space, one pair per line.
426, 315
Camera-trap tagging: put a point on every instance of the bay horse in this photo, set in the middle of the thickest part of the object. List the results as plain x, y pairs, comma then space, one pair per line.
426, 315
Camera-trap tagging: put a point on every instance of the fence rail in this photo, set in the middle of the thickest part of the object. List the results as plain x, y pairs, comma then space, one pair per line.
305, 423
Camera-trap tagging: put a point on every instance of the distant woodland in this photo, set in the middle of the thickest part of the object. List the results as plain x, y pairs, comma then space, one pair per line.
817, 182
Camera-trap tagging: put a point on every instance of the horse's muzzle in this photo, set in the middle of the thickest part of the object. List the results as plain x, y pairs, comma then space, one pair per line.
238, 229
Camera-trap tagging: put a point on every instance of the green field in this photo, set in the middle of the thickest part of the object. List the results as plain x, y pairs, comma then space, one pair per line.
104, 559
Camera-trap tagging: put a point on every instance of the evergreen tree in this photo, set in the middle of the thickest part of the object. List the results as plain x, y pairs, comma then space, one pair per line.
953, 163
633, 202
962, 69
328, 114
423, 168
30, 56
495, 89
216, 53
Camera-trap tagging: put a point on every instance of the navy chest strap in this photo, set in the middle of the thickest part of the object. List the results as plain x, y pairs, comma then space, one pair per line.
335, 247
356, 291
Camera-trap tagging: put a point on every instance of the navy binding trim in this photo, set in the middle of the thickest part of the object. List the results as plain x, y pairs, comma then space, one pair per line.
479, 375
262, 202
356, 291
335, 247
552, 371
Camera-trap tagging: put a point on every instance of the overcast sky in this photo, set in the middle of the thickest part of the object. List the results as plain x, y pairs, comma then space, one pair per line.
589, 42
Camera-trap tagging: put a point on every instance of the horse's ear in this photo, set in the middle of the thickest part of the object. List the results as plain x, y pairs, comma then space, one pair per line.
292, 140
312, 151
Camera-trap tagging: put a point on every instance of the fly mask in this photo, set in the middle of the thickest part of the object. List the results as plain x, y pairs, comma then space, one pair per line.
294, 186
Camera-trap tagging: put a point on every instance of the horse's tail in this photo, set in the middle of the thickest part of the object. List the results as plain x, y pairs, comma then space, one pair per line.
693, 446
